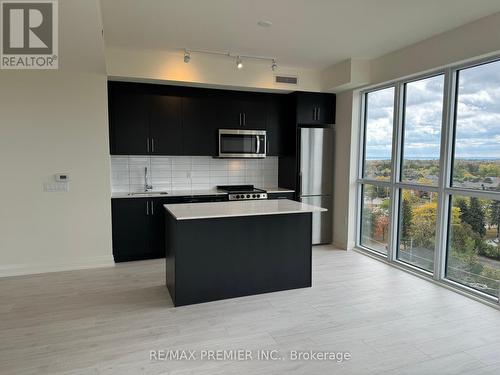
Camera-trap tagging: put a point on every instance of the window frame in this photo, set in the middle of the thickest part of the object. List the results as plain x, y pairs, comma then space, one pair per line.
444, 188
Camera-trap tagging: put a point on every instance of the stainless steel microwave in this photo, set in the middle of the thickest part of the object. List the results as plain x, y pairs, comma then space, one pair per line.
238, 143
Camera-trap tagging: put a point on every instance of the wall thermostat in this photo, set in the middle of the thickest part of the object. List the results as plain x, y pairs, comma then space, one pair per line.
62, 177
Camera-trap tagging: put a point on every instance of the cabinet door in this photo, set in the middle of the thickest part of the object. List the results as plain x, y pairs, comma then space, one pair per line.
315, 108
166, 125
275, 126
130, 223
326, 109
129, 124
200, 126
253, 112
306, 108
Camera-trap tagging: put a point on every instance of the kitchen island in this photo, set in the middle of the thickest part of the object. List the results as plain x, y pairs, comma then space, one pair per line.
222, 250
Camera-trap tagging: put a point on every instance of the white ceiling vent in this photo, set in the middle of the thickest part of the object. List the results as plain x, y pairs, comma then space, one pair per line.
289, 80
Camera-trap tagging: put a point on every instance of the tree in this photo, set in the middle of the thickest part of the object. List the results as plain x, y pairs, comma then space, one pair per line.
475, 217
406, 220
424, 230
495, 215
464, 210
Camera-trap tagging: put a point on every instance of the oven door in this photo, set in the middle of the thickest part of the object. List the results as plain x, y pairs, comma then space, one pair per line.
235, 143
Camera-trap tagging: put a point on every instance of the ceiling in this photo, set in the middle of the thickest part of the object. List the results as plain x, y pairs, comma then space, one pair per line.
304, 33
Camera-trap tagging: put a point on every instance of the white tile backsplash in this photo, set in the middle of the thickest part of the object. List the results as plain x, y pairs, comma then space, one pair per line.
190, 172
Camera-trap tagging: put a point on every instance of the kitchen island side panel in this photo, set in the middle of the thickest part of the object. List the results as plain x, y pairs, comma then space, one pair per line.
219, 258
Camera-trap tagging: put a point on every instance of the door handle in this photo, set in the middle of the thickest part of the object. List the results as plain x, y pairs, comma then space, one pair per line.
147, 208
152, 208
300, 184
152, 145
147, 143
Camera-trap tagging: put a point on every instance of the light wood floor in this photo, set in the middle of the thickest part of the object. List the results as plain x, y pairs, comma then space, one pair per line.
106, 321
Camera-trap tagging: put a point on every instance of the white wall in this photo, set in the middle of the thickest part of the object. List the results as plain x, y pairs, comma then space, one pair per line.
478, 38
346, 135
215, 71
53, 122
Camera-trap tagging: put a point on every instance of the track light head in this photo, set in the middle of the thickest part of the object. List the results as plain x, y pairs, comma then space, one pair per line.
274, 65
239, 63
187, 57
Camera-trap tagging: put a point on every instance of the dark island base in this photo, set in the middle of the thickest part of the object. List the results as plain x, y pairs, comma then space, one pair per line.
213, 259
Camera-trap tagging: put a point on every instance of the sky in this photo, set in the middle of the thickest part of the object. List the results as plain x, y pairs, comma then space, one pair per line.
477, 125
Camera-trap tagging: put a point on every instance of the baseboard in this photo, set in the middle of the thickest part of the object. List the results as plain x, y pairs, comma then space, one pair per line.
39, 267
339, 246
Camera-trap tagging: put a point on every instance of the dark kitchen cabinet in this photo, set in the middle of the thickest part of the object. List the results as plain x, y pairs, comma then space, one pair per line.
276, 126
200, 126
138, 225
315, 108
143, 123
241, 110
253, 113
131, 229
129, 123
148, 119
165, 125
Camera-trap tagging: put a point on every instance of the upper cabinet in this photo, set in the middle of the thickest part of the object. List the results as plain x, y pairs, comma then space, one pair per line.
129, 123
315, 108
147, 119
199, 126
165, 125
141, 123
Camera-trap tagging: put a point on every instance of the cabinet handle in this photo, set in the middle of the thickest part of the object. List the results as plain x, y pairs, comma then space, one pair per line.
319, 111
267, 148
147, 208
152, 208
244, 118
240, 119
314, 114
152, 145
147, 143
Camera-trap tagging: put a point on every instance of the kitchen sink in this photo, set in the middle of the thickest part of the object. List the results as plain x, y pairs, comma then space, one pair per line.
148, 193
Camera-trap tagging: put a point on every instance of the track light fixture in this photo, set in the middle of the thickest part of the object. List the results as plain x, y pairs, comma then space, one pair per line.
239, 58
274, 66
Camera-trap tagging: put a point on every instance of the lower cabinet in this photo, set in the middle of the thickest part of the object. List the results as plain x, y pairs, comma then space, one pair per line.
139, 225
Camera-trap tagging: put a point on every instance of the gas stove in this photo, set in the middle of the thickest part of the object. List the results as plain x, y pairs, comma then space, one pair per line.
243, 192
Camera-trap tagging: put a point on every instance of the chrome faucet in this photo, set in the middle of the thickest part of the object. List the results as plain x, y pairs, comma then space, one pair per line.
146, 186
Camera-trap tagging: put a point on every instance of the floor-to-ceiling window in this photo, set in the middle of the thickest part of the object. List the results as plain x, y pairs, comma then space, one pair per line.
429, 176
377, 169
473, 251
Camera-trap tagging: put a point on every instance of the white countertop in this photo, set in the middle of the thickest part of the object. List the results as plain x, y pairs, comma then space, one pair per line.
170, 193
189, 211
188, 193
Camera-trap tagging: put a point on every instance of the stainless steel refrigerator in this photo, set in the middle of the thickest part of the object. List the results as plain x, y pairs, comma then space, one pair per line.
316, 178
